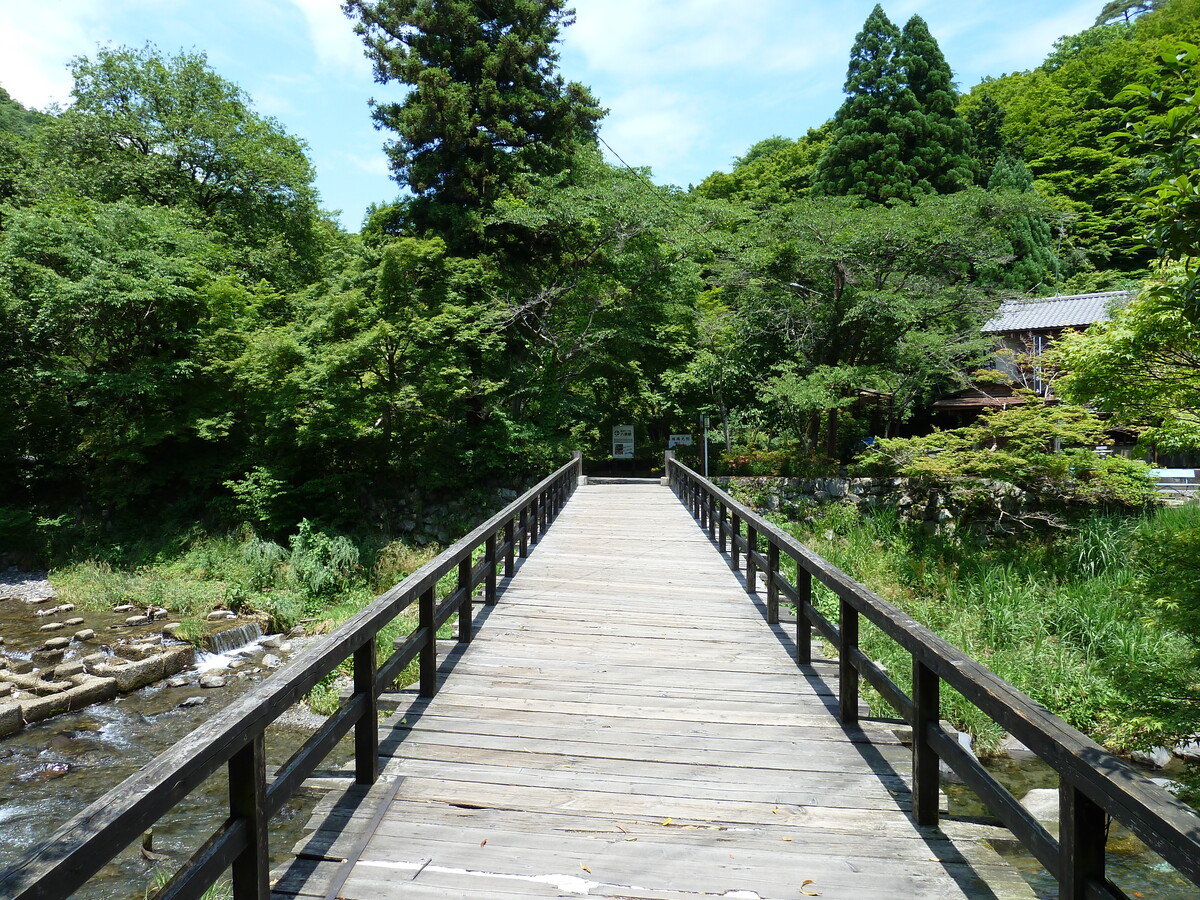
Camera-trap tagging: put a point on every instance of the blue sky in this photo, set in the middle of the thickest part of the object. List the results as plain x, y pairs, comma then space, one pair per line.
689, 84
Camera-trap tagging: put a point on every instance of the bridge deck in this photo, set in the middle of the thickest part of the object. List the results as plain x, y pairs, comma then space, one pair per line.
625, 725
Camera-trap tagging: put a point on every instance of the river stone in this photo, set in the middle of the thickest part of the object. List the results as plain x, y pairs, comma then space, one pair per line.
58, 643
179, 682
1043, 804
136, 651
10, 719
20, 666
132, 675
1157, 757
271, 641
212, 681
236, 664
158, 613
124, 607
271, 661
52, 626
285, 647
66, 670
72, 622
193, 701
1189, 751
137, 620
85, 635
6, 688
1014, 749
48, 657
219, 614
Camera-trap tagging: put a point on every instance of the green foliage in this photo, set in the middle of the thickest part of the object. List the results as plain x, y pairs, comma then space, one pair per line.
1043, 448
1166, 563
775, 170
1143, 366
1053, 615
485, 107
898, 135
168, 131
1165, 125
322, 564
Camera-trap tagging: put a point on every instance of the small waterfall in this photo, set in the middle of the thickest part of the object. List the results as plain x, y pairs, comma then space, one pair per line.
232, 638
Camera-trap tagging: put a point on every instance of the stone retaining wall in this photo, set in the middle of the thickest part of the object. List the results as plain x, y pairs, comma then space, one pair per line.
991, 507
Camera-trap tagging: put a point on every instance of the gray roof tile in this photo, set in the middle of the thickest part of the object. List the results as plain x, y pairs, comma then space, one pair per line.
1075, 310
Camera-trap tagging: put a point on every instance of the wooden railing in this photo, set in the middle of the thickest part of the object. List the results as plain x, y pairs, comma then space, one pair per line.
235, 737
1094, 784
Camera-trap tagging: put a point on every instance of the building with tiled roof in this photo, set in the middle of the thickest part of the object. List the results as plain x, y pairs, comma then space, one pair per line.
1055, 313
1023, 330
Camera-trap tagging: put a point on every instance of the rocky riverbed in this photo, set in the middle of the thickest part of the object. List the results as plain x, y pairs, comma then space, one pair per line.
55, 659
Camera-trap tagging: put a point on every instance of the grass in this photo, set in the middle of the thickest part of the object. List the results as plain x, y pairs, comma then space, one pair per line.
1059, 617
320, 582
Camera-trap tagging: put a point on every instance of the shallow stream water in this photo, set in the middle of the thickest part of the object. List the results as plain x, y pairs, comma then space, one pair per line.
52, 770
1132, 866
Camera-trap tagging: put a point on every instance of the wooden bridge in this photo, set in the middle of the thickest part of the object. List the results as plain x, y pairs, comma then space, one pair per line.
627, 717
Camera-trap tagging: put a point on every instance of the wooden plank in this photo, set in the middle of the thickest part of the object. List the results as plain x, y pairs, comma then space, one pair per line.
626, 724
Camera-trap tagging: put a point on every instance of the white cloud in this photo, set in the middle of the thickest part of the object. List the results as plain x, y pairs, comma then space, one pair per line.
372, 164
337, 47
38, 40
654, 127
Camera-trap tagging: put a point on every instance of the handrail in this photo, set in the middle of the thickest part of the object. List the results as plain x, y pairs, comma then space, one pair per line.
1094, 784
234, 737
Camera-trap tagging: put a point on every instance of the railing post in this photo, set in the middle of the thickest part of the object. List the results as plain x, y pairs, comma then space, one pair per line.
735, 536
366, 729
722, 543
712, 508
926, 715
510, 550
1081, 840
751, 565
248, 800
524, 542
489, 584
803, 622
772, 586
466, 594
426, 611
577, 471
668, 473
535, 515
847, 673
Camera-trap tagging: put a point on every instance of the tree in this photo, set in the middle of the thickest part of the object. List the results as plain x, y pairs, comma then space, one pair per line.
940, 139
831, 298
775, 170
485, 107
1166, 125
1143, 367
1126, 10
867, 154
168, 131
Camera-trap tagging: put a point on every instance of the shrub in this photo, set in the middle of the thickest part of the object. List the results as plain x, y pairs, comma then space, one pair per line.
1016, 445
321, 564
1166, 565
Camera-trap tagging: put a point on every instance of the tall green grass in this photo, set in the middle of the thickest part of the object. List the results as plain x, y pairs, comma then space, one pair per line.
1061, 617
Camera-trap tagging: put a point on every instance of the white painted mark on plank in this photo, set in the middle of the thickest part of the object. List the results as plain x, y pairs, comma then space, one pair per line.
569, 883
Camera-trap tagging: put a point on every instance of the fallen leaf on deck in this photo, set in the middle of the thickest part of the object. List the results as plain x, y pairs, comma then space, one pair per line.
805, 891
667, 820
785, 839
585, 868
484, 841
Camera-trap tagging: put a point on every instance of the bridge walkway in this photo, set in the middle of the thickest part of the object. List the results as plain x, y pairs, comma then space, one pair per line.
625, 725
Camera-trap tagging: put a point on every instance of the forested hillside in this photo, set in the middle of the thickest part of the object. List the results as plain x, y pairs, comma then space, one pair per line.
186, 336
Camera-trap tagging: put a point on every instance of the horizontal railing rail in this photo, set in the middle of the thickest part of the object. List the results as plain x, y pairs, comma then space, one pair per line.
235, 737
1094, 784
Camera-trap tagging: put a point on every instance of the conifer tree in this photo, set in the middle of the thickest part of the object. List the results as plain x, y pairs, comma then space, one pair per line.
486, 105
868, 155
939, 138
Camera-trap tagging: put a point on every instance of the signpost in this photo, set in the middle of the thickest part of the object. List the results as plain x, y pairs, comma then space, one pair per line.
622, 442
679, 440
